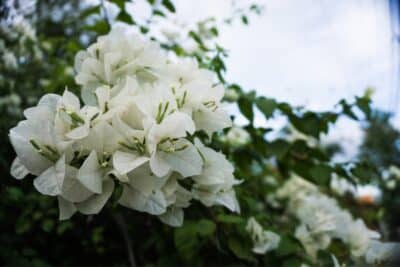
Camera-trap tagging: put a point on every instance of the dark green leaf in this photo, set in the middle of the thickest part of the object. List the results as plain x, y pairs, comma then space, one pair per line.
125, 17
90, 11
168, 4
246, 107
321, 174
245, 20
228, 218
240, 250
267, 106
205, 228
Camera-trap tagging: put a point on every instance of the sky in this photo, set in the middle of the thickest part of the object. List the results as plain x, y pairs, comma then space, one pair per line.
310, 53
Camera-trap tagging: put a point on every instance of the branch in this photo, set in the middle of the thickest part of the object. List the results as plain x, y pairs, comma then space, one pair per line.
121, 223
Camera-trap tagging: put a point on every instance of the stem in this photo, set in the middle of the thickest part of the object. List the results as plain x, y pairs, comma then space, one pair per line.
121, 223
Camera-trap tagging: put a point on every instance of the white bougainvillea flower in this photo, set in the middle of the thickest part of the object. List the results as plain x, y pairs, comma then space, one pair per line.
36, 140
114, 57
91, 205
18, 171
263, 241
359, 238
322, 219
236, 137
379, 252
144, 191
169, 151
312, 241
210, 115
136, 126
214, 185
74, 120
102, 141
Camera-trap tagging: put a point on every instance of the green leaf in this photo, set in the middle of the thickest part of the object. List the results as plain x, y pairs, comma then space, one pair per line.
168, 4
47, 225
245, 20
292, 262
90, 11
321, 174
363, 103
100, 27
214, 31
278, 148
365, 172
125, 17
246, 107
186, 241
347, 109
229, 219
240, 250
267, 106
205, 228
157, 12
287, 246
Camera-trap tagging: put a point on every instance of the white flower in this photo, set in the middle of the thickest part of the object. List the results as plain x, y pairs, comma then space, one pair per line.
37, 140
312, 241
214, 185
263, 241
359, 238
231, 95
116, 56
10, 61
237, 137
322, 220
341, 186
379, 252
139, 116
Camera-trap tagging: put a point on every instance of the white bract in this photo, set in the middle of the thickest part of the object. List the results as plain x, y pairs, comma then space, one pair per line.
322, 220
135, 128
236, 137
263, 241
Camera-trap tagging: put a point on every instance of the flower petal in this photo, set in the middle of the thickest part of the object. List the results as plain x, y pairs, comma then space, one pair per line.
66, 209
154, 204
173, 217
125, 162
18, 171
158, 165
73, 190
228, 200
96, 202
90, 174
211, 121
51, 180
187, 162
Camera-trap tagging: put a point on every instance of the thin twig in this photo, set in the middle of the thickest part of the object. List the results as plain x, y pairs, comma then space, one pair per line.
121, 223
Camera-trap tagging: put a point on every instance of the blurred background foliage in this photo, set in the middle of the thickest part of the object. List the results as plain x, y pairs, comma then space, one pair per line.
38, 41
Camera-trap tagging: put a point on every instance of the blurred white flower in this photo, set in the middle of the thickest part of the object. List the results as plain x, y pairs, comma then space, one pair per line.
231, 95
236, 137
323, 220
9, 60
263, 241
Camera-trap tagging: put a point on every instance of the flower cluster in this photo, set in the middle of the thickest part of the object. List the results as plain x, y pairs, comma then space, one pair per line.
322, 219
137, 127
